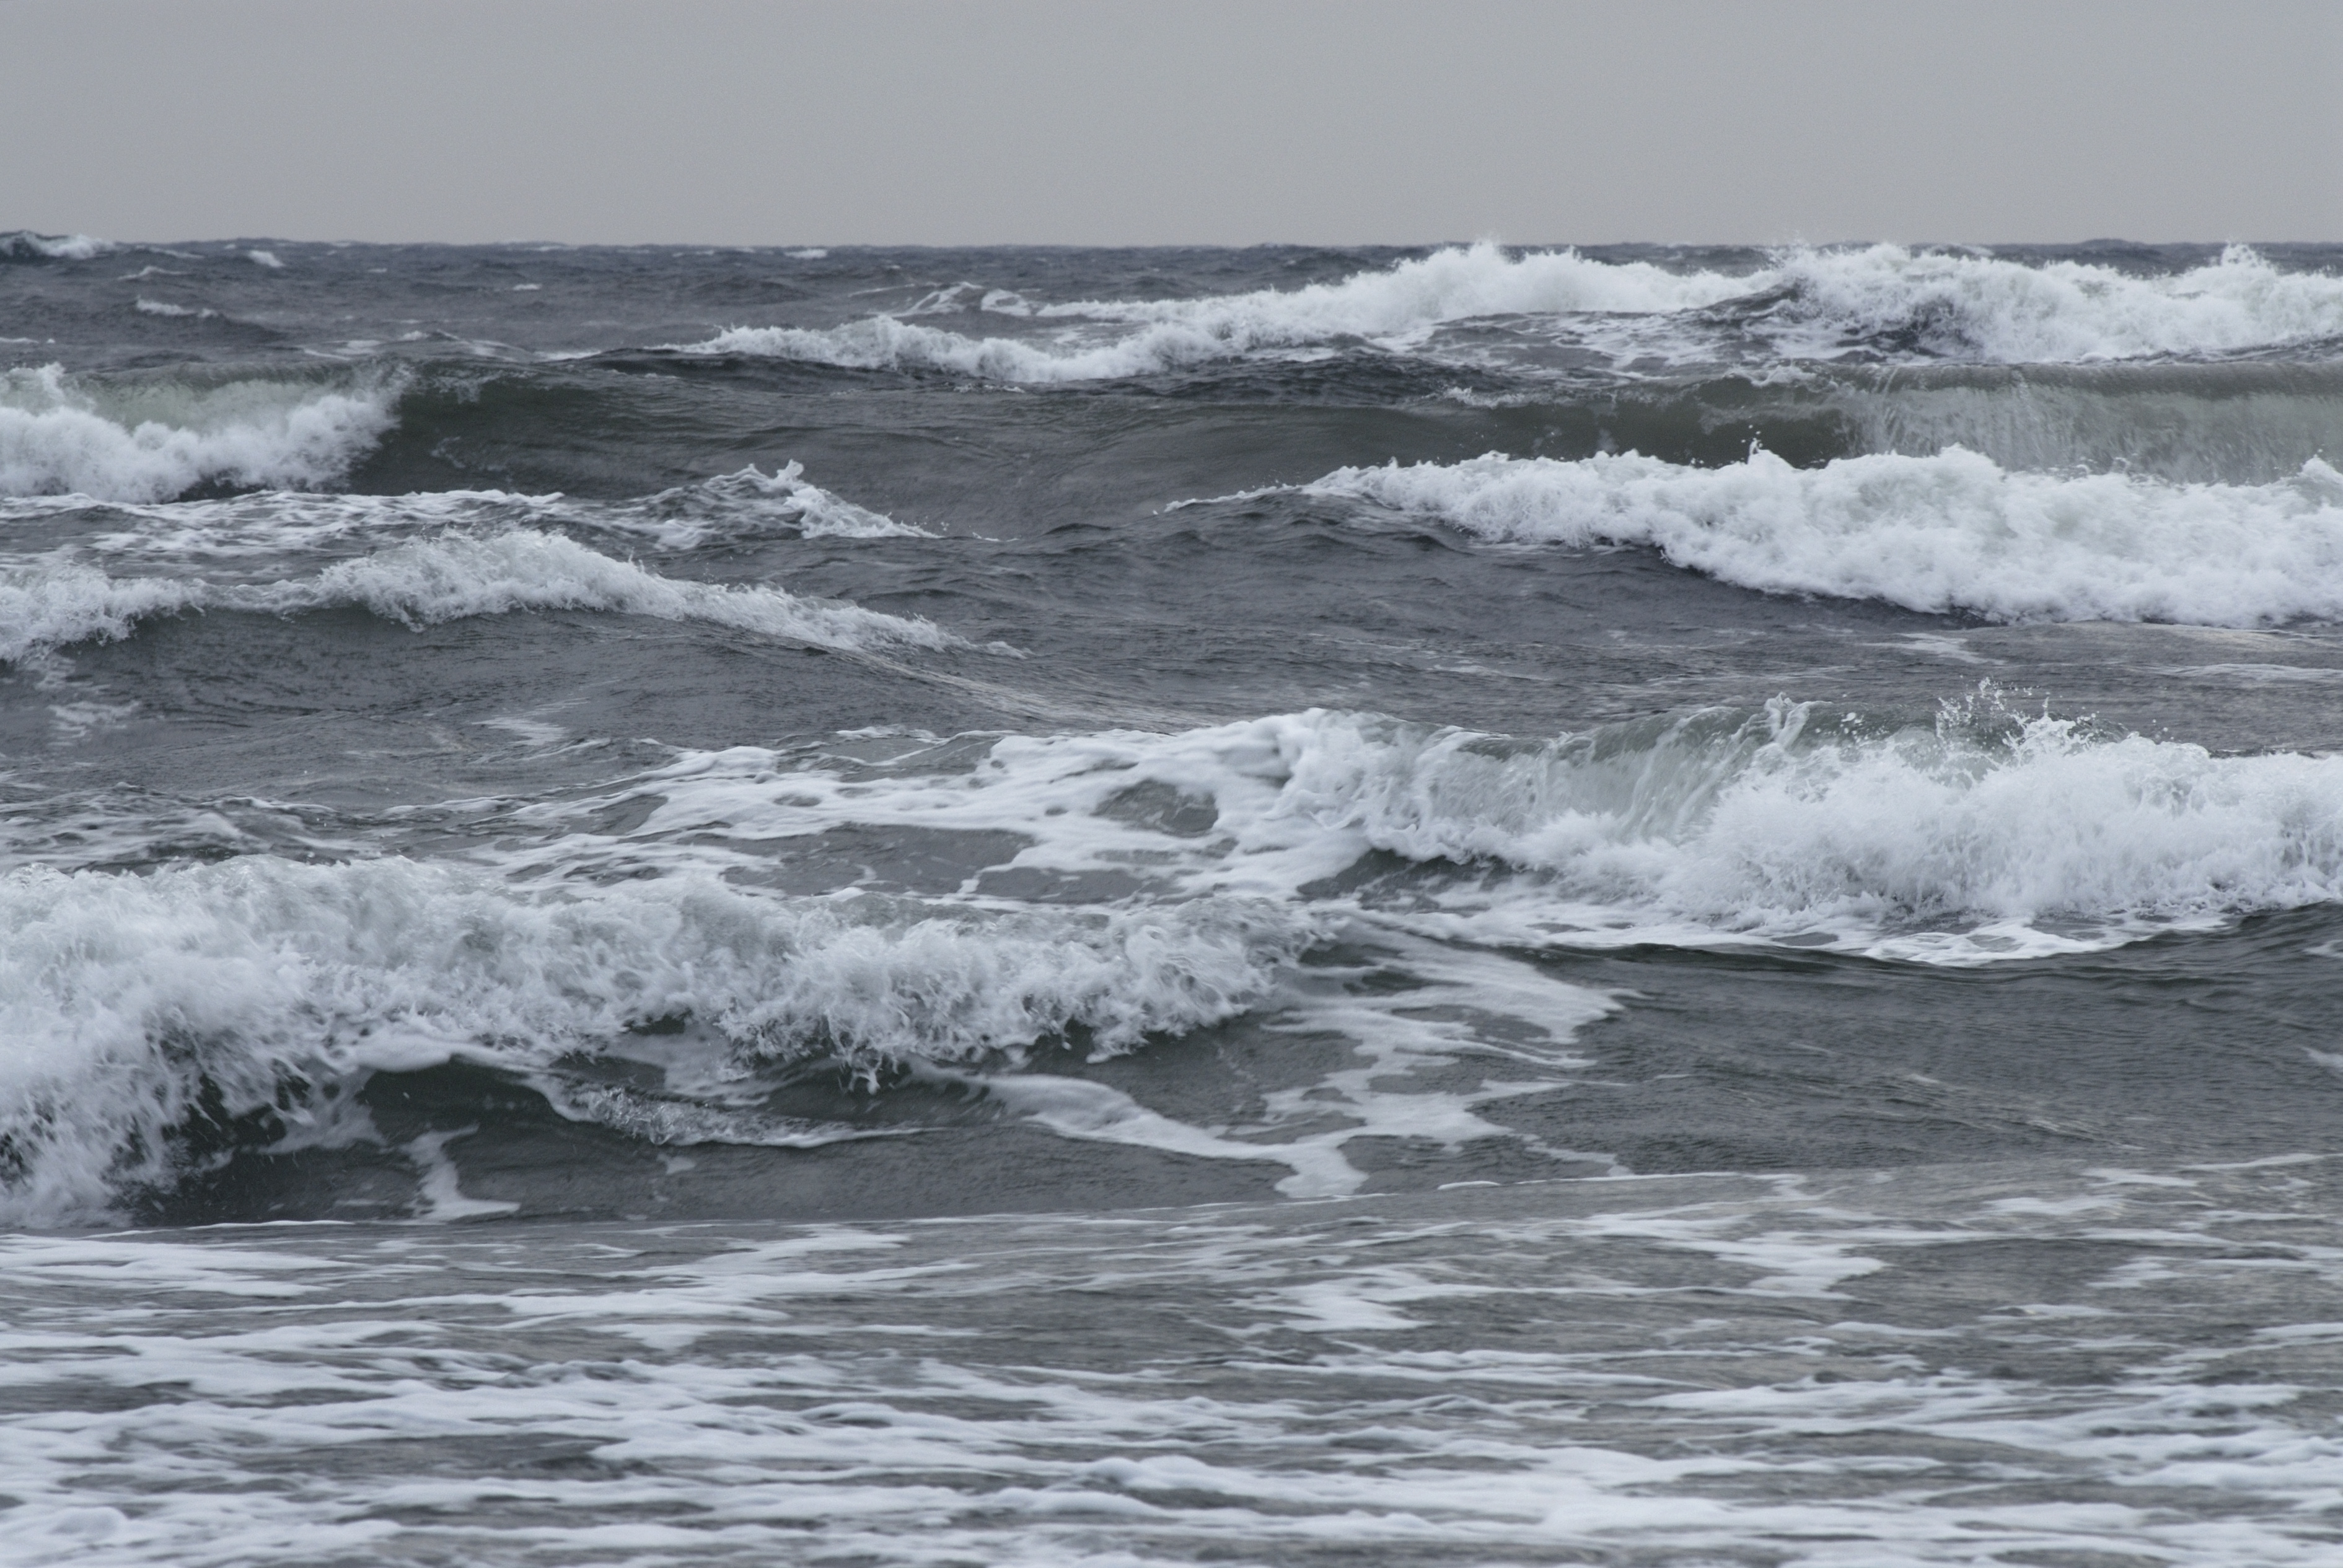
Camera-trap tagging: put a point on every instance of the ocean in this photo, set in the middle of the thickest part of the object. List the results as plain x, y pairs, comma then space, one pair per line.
1644, 906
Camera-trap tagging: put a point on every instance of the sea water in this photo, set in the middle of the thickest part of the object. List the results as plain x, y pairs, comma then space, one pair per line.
1476, 905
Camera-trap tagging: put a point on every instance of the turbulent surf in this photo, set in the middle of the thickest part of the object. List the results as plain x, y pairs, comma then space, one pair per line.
1474, 904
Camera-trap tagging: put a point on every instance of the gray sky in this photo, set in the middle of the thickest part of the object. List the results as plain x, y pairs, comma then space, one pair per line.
1106, 122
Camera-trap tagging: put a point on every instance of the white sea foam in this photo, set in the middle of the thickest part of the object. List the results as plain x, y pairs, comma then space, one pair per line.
1953, 531
1230, 851
461, 575
24, 243
1701, 1388
126, 996
1980, 838
744, 505
62, 434
1811, 304
1392, 306
147, 306
46, 608
722, 507
1979, 307
427, 582
266, 259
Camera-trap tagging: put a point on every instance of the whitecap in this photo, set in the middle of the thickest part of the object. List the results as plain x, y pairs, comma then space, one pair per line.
257, 980
52, 603
24, 243
1804, 303
1982, 838
1953, 531
1390, 306
61, 433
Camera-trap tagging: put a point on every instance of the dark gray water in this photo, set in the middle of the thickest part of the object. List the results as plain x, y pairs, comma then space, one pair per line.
1628, 906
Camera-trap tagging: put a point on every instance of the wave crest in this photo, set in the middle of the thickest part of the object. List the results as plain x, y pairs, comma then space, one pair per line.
245, 989
1950, 532
23, 245
1388, 307
1983, 835
428, 581
1885, 300
1952, 306
60, 435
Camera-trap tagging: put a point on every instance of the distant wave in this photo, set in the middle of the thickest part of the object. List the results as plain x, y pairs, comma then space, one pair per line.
23, 245
61, 433
1949, 532
449, 577
1397, 303
748, 504
1809, 304
718, 507
1964, 306
247, 987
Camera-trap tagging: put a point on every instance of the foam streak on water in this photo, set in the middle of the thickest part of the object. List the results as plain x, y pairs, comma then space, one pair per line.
1716, 1370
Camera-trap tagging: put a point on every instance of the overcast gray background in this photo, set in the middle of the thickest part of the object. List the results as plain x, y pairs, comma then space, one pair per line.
1044, 121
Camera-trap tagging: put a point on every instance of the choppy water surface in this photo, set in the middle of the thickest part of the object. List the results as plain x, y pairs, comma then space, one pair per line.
1496, 906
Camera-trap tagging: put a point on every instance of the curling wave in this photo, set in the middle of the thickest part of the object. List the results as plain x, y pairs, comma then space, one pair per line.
1392, 308
1948, 305
60, 435
1950, 532
260, 988
23, 245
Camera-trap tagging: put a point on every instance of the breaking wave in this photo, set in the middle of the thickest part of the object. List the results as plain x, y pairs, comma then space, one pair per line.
1956, 305
260, 988
255, 992
23, 245
1953, 531
455, 575
1392, 306
747, 505
1977, 836
1879, 300
60, 435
